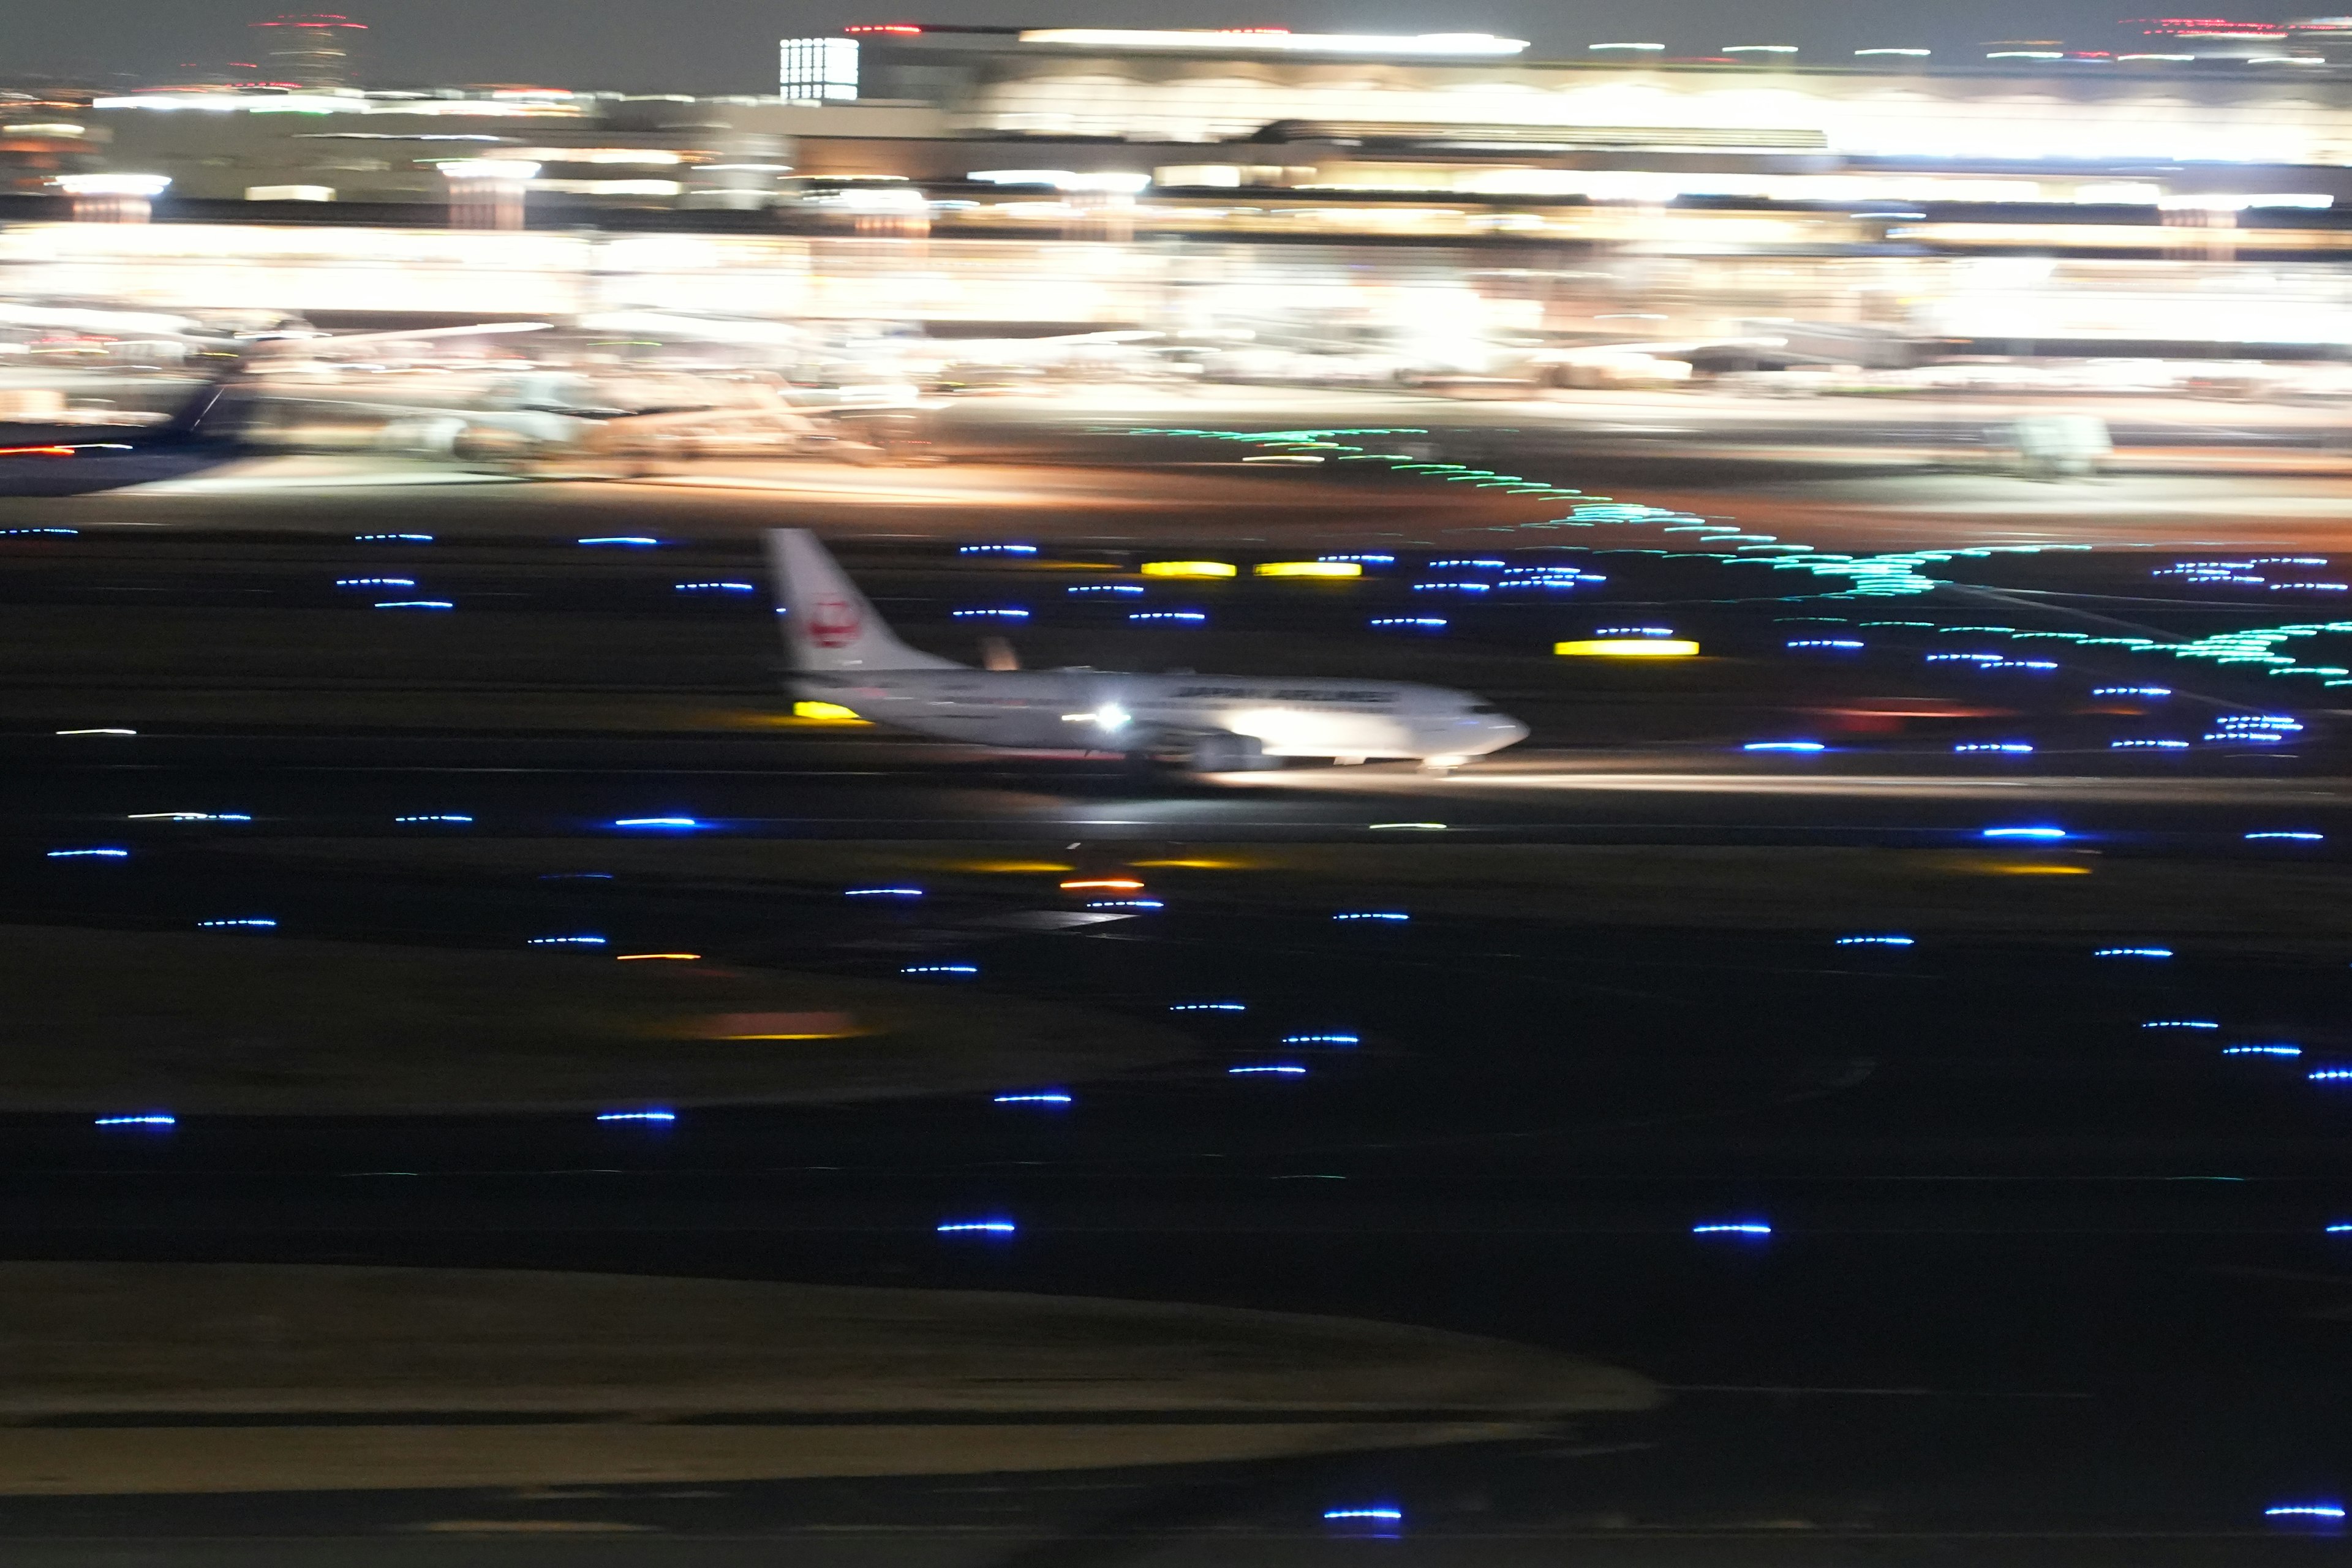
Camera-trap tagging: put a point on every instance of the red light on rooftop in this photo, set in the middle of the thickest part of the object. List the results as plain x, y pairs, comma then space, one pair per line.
906, 29
2192, 27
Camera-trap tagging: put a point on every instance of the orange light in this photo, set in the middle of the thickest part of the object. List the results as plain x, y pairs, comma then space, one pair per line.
632, 957
1125, 884
36, 451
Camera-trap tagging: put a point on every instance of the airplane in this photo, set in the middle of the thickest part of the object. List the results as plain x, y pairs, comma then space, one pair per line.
539, 417
840, 651
77, 460
555, 416
211, 428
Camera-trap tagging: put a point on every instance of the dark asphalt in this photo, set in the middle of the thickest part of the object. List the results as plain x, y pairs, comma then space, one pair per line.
2043, 1287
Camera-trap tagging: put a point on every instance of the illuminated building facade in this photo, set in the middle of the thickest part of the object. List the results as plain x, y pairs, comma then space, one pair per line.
1258, 180
309, 51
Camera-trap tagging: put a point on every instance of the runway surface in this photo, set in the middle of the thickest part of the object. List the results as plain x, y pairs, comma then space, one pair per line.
2041, 1283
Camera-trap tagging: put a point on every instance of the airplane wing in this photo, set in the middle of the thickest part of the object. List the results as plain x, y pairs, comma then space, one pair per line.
409, 335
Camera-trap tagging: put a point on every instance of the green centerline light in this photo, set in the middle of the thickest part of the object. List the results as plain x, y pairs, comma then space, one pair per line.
1896, 574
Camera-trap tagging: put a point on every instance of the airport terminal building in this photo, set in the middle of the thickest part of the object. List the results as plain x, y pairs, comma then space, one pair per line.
907, 169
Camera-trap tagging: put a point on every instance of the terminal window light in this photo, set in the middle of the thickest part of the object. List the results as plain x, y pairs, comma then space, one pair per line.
823, 70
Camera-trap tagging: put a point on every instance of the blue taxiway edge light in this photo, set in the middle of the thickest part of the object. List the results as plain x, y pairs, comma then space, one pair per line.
976, 1228
150, 1119
637, 1116
1732, 1228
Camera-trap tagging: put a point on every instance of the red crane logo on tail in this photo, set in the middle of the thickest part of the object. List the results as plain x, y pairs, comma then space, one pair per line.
833, 622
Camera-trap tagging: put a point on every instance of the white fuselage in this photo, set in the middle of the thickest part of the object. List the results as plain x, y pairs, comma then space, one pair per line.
1102, 711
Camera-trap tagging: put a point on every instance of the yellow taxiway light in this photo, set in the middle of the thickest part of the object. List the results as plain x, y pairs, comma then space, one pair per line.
636, 957
1116, 884
1627, 647
1309, 569
825, 1035
774, 1027
833, 711
1189, 569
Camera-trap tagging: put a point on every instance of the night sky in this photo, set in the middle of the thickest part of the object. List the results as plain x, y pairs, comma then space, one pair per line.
727, 46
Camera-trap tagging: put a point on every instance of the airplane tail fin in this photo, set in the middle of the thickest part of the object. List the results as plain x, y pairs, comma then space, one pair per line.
828, 625
219, 409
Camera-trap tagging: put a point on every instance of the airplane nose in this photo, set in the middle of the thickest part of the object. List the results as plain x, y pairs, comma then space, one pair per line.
1511, 732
